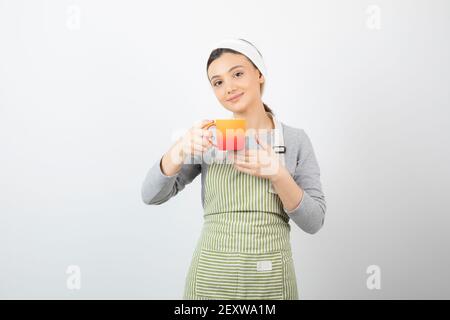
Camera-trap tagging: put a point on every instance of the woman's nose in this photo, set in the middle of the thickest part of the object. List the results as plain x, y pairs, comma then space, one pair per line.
231, 88
231, 92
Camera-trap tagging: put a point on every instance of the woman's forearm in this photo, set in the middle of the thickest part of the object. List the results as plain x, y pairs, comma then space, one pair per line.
288, 190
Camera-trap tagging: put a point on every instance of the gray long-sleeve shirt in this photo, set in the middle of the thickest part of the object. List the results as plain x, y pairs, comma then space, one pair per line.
300, 161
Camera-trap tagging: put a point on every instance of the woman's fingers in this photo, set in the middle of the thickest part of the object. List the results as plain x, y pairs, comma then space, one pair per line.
207, 133
194, 149
197, 140
201, 141
202, 137
201, 133
200, 145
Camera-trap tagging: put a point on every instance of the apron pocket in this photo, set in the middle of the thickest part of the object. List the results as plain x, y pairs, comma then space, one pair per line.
261, 276
232, 275
217, 274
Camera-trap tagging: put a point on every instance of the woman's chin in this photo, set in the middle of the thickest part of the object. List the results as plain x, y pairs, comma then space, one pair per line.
238, 107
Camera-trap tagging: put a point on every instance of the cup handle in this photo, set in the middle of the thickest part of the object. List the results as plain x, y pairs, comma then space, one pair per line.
209, 125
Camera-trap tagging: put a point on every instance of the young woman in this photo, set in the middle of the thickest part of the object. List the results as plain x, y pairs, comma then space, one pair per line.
244, 249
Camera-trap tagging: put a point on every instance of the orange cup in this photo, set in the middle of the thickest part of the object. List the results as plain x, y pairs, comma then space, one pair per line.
230, 133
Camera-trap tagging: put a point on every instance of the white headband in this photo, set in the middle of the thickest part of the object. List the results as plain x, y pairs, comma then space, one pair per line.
247, 49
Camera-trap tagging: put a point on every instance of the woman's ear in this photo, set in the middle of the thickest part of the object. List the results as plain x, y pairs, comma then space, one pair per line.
261, 78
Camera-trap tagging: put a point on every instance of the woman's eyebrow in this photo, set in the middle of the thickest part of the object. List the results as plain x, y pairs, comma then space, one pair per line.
228, 71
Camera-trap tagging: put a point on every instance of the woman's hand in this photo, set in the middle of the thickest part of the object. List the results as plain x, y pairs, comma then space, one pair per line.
196, 140
263, 163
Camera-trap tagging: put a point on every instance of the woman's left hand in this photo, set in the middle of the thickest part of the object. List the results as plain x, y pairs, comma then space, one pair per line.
263, 162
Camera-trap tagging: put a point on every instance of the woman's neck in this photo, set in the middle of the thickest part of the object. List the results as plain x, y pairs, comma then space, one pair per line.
256, 118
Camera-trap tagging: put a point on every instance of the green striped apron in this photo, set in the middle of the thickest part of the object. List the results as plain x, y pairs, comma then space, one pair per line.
244, 248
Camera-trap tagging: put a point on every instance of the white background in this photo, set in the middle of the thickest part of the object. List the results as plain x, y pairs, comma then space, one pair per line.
92, 92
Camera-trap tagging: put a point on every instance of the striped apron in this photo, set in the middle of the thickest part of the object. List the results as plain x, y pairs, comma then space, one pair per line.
244, 248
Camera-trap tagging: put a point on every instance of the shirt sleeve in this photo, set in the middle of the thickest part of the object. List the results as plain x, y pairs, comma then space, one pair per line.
157, 187
309, 214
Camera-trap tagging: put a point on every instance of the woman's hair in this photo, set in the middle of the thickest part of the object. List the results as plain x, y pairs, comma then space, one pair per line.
215, 54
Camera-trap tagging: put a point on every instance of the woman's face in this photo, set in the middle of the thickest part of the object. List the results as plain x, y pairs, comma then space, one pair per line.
233, 74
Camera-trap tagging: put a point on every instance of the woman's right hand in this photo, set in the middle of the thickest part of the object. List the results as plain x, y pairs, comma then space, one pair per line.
196, 140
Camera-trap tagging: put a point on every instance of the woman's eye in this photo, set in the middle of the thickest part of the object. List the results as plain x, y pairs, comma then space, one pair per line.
215, 84
238, 73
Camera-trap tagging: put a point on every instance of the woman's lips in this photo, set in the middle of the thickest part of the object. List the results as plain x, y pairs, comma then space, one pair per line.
236, 98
